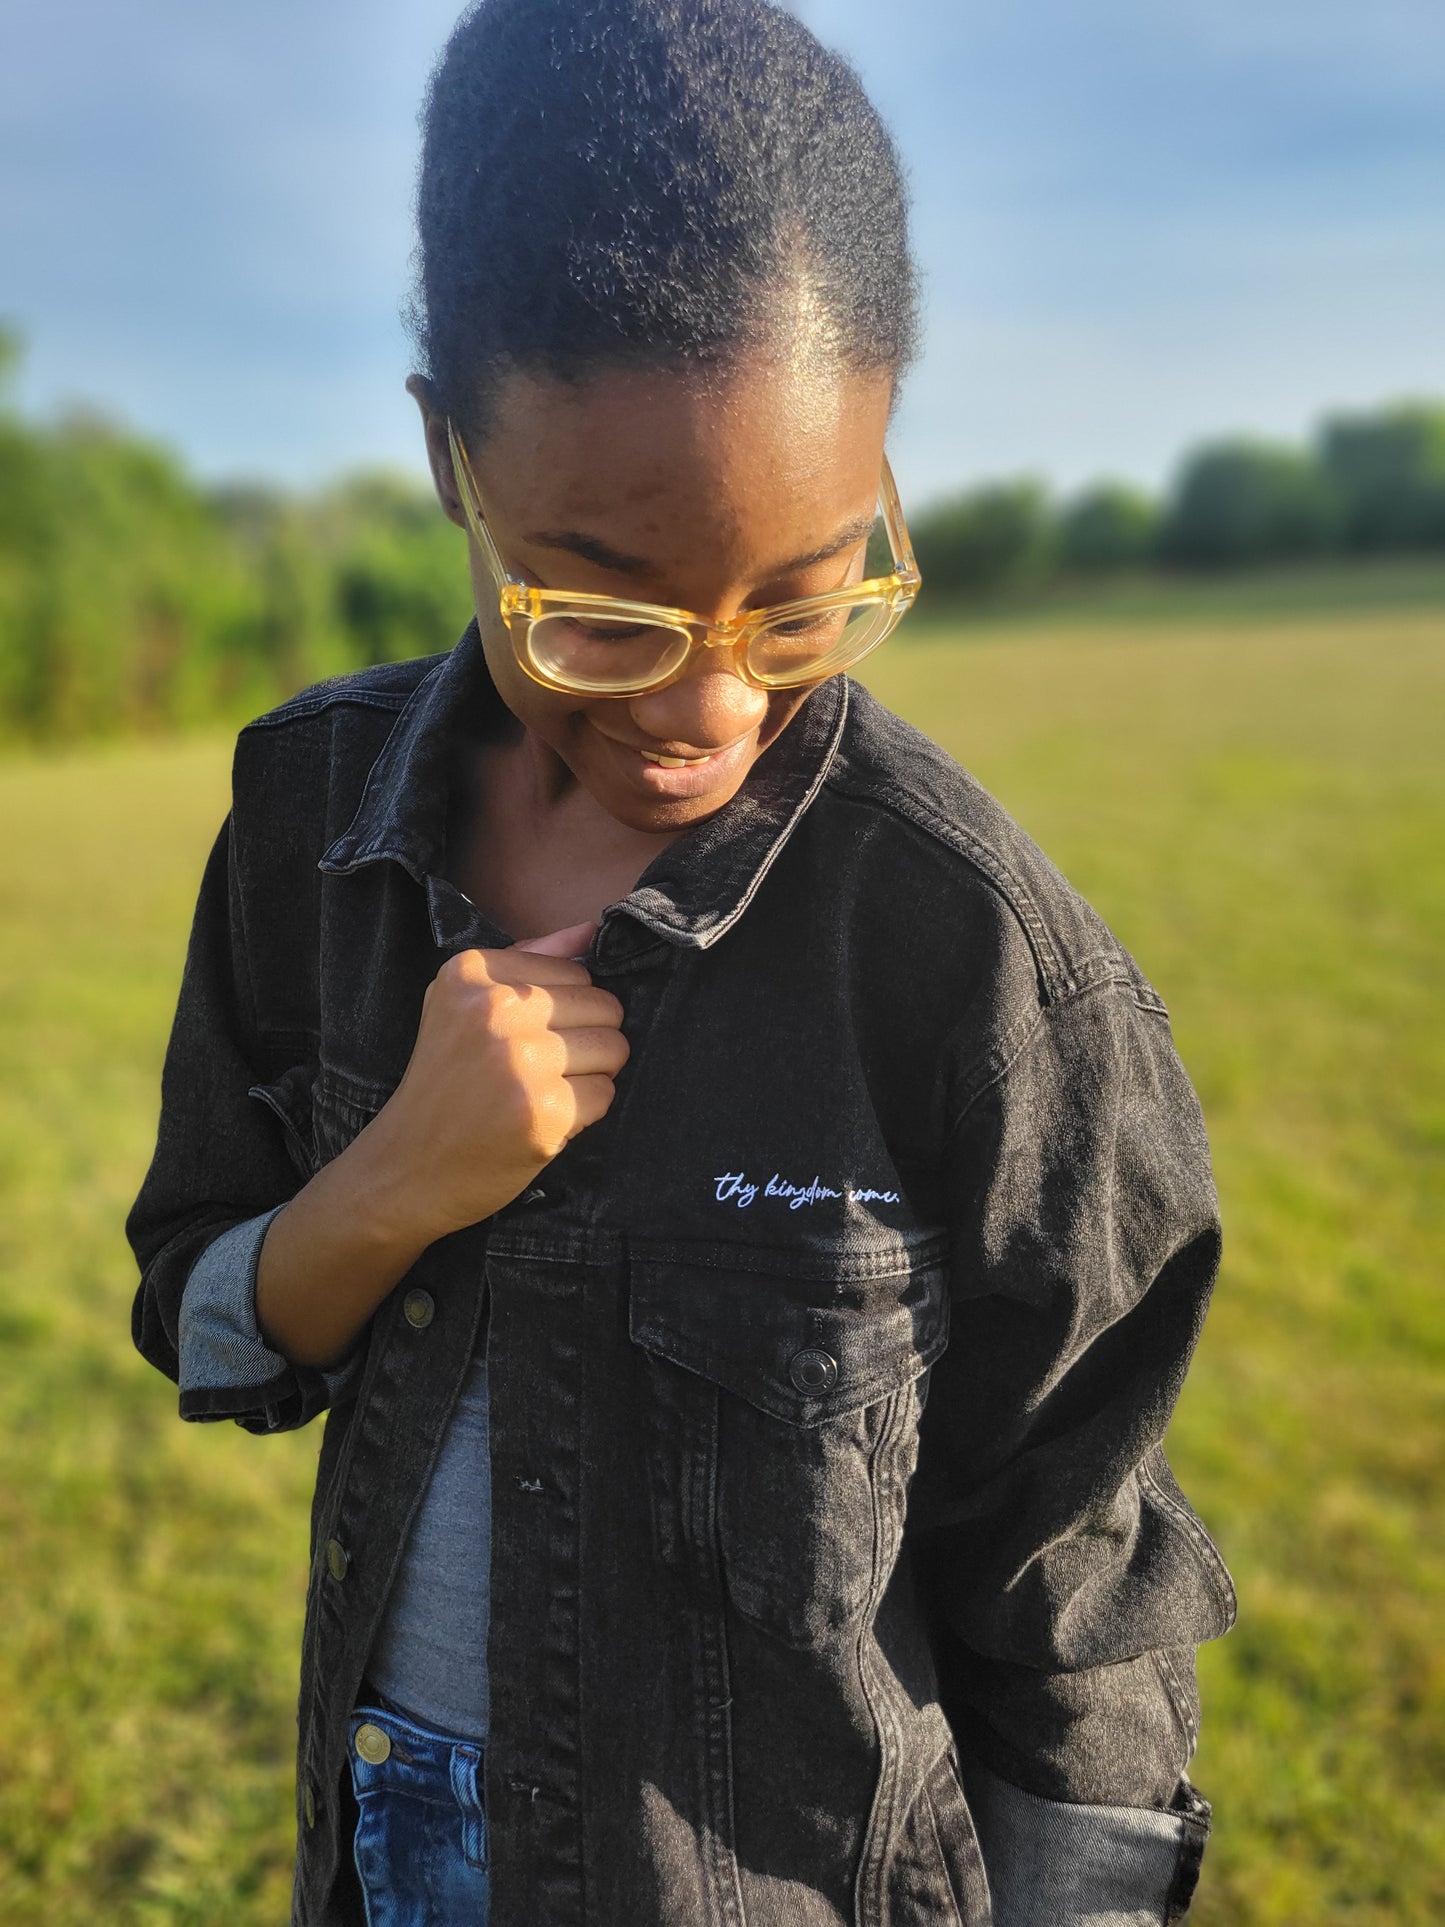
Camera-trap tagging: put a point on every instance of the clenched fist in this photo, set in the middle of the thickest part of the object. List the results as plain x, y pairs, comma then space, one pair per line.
515, 1054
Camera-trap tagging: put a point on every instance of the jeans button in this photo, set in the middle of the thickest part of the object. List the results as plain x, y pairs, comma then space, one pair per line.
813, 1371
419, 1308
372, 1744
338, 1559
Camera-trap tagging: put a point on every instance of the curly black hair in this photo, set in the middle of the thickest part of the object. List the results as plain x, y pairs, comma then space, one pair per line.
653, 182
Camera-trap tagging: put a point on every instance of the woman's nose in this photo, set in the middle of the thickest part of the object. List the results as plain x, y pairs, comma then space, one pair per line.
706, 709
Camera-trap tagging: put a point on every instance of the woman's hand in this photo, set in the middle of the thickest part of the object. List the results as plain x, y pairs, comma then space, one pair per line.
515, 1053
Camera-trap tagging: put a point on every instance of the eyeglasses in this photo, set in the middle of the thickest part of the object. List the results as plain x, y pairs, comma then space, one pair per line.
601, 645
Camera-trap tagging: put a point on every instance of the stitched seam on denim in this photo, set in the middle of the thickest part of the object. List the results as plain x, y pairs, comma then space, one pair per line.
1060, 980
995, 1064
374, 788
868, 1886
235, 1401
722, 1882
954, 1895
1111, 966
915, 810
714, 922
643, 959
302, 1153
252, 1012
849, 1269
905, 1369
350, 688
359, 1096
1210, 1561
554, 1247
1187, 1866
1000, 1059
805, 802
1178, 1698
341, 1472
313, 706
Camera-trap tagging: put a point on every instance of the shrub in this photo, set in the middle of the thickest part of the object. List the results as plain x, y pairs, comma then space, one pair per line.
1249, 501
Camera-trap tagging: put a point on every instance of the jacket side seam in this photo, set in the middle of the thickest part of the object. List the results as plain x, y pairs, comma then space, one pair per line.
1178, 1699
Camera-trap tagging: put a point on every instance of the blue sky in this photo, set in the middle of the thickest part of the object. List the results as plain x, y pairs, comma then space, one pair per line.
1140, 222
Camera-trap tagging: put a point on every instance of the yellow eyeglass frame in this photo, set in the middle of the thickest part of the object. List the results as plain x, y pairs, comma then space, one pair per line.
521, 605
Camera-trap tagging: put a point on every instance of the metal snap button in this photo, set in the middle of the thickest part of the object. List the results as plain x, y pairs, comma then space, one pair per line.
419, 1307
338, 1559
813, 1371
372, 1744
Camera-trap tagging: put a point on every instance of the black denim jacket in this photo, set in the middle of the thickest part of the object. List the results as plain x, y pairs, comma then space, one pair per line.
828, 1372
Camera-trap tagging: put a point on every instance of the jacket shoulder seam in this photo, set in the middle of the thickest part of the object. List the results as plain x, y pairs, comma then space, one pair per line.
914, 809
297, 708
1108, 964
990, 1069
354, 686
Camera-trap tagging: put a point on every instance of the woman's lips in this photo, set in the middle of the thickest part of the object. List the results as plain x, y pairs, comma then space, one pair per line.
694, 776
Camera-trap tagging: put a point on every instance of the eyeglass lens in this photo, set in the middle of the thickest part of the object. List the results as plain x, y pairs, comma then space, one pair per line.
600, 652
796, 650
605, 652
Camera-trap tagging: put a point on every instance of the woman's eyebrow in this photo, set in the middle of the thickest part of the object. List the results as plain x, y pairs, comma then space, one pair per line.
590, 549
850, 533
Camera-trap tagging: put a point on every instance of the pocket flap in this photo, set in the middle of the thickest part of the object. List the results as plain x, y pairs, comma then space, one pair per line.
289, 1100
343, 1106
802, 1350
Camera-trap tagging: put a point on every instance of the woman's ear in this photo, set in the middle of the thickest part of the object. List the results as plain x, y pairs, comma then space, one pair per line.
438, 451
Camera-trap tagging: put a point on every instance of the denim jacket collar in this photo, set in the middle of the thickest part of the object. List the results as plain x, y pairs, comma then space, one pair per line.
690, 895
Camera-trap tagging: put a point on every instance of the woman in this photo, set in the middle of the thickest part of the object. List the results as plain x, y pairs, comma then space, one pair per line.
625, 1072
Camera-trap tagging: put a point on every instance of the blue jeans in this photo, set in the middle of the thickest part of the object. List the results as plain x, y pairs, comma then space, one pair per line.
421, 1838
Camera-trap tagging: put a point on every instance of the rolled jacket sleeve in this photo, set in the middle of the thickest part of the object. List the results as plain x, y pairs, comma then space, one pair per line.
1057, 1864
230, 1152
1068, 1580
227, 1370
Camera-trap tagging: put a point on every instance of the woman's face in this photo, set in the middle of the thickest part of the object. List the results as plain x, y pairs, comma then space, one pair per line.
715, 494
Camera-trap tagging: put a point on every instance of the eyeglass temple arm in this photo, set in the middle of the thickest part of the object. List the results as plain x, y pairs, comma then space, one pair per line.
471, 508
897, 528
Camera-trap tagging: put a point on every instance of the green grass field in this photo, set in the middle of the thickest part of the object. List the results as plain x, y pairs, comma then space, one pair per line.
1258, 807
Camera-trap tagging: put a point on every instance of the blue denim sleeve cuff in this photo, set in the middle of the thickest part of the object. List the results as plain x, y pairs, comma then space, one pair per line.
227, 1370
1050, 1862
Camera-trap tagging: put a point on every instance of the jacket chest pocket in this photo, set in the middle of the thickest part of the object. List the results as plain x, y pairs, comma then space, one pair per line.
785, 1430
319, 1109
341, 1109
290, 1099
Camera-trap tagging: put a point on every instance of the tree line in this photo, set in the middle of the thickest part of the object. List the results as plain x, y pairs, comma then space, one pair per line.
1369, 484
132, 598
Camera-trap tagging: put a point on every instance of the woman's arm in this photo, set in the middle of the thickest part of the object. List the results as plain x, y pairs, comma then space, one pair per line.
257, 1282
1068, 1579
515, 1054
